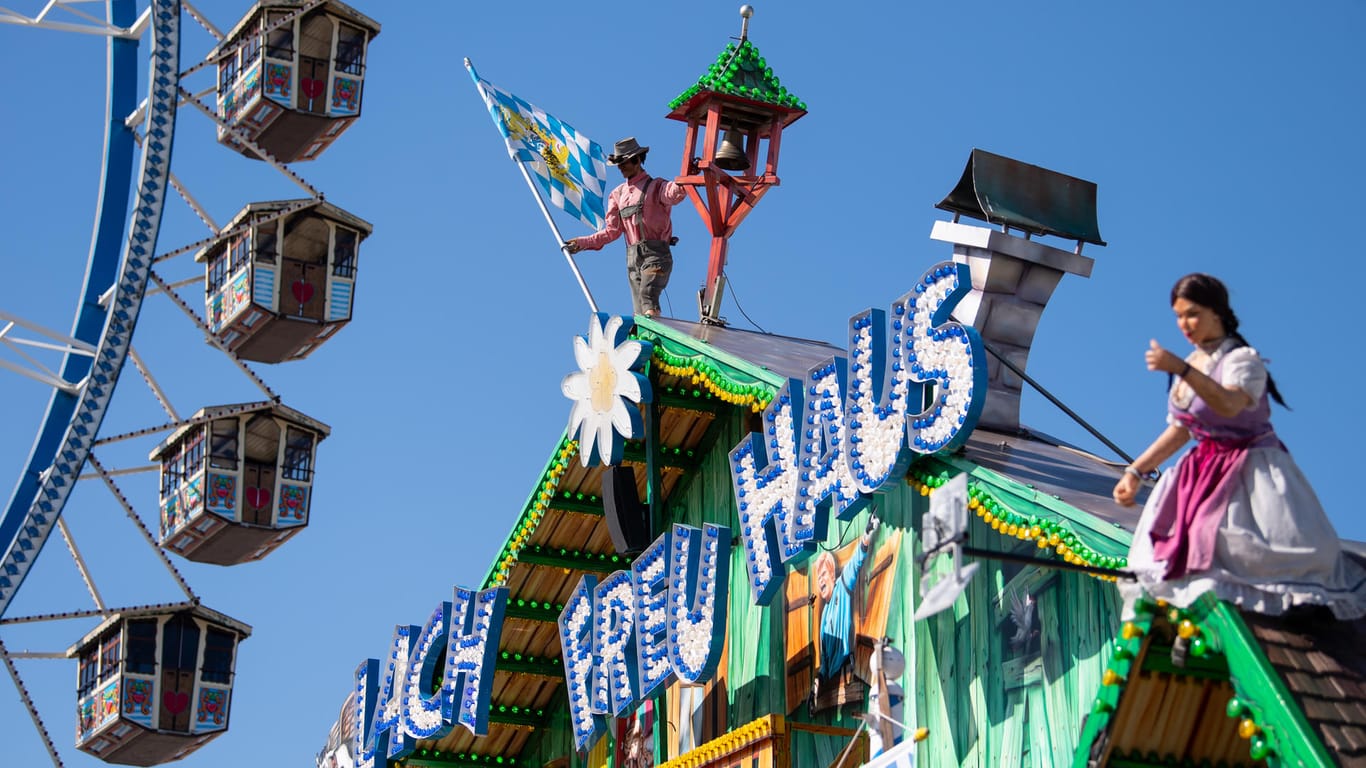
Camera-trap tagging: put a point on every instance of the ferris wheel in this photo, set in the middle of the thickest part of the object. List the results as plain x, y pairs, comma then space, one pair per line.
234, 475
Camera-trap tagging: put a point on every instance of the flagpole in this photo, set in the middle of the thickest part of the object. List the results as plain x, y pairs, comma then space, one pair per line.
559, 240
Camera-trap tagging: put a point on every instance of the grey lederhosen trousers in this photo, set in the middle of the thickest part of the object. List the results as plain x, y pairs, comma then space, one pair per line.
648, 266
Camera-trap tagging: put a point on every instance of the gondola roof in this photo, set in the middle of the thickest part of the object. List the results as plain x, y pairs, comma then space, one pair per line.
209, 413
159, 609
335, 6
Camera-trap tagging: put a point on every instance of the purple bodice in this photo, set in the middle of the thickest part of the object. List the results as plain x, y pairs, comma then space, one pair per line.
1252, 424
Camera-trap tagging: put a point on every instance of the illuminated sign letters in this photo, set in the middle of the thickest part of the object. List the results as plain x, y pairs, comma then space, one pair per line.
394, 711
848, 427
628, 635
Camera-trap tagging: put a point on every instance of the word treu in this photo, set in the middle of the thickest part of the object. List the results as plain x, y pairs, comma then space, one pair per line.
627, 636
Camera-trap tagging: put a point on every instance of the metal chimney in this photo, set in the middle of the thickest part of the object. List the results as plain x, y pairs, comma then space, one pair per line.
1012, 275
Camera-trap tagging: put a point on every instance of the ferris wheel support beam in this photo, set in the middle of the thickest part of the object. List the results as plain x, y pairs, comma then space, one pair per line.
80, 564
202, 19
28, 704
242, 136
69, 615
152, 383
213, 339
39, 372
146, 534
94, 25
73, 421
237, 230
121, 472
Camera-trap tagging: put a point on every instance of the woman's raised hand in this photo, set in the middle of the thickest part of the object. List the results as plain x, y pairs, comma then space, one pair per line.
1160, 359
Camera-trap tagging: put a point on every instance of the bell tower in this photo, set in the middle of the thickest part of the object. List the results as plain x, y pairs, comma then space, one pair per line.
736, 113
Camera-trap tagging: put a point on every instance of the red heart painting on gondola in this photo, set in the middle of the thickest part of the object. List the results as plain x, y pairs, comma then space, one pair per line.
258, 498
312, 87
175, 702
302, 291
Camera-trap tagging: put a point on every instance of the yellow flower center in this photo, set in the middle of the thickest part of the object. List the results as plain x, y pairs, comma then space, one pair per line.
602, 383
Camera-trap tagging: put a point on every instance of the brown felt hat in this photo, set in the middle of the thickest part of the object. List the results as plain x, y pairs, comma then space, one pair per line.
626, 149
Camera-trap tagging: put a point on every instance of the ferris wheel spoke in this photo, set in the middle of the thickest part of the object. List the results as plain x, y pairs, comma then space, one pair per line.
80, 564
141, 526
28, 704
57, 342
203, 20
38, 655
193, 203
237, 230
218, 55
152, 384
93, 25
242, 136
217, 414
213, 337
126, 471
87, 614
42, 376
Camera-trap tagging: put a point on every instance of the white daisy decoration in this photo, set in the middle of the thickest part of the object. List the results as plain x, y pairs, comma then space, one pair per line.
602, 419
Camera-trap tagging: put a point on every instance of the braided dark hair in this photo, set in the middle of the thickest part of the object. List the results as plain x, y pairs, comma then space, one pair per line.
1209, 291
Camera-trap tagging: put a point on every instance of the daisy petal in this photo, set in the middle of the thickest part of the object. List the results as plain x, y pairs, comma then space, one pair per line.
607, 447
576, 417
595, 336
575, 386
583, 354
628, 386
586, 436
621, 419
609, 331
627, 355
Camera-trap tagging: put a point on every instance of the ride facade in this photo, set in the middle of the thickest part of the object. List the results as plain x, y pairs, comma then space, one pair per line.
744, 551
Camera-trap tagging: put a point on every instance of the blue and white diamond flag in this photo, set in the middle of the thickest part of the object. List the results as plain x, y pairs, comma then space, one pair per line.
570, 167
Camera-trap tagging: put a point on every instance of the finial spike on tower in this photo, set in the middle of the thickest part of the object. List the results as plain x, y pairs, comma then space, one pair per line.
746, 11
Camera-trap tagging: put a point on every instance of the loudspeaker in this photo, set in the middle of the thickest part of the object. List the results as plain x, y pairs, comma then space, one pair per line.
628, 520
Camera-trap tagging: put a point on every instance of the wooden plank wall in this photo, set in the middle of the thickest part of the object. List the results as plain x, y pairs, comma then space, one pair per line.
985, 702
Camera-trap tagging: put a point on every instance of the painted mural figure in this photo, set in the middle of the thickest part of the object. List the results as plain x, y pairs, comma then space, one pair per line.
1236, 515
643, 211
836, 586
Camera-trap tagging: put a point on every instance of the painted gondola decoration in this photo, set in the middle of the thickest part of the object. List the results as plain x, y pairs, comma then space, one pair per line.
283, 278
155, 684
237, 482
290, 77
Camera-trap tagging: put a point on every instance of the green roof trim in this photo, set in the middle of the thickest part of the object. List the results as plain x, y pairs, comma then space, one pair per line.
741, 71
726, 378
543, 496
1056, 526
1262, 693
1279, 733
731, 379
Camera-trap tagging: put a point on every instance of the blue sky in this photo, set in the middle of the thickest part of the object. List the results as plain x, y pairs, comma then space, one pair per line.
1222, 138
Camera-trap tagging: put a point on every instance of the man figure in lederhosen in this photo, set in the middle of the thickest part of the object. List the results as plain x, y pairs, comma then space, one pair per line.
641, 207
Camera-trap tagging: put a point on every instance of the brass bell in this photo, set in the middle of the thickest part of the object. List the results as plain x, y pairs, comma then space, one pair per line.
730, 156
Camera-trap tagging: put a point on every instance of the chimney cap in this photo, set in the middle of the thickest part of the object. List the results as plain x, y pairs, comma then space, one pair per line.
1000, 190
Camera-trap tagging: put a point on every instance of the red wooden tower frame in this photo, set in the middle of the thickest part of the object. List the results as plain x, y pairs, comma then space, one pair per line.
739, 93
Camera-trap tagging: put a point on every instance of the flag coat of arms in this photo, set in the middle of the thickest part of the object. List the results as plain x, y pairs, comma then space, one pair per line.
570, 167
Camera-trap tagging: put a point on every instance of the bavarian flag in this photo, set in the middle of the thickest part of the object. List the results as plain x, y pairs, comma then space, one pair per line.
570, 167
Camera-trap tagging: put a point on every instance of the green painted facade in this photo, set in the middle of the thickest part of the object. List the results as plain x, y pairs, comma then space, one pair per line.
985, 701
